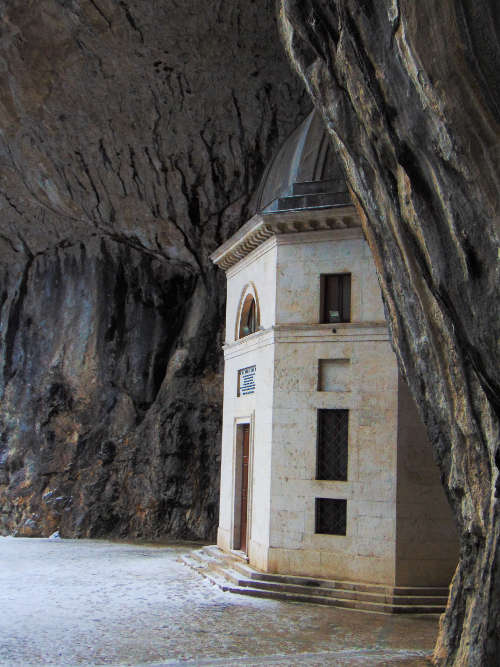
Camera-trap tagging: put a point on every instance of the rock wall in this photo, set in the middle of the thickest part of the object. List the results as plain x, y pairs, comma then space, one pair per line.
133, 134
410, 92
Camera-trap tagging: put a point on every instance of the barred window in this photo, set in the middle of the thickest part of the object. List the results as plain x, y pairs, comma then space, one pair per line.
332, 445
331, 516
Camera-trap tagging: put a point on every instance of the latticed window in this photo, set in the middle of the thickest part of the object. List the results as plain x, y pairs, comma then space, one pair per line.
333, 436
331, 516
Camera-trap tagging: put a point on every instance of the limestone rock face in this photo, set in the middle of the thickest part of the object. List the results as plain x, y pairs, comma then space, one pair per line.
133, 134
410, 93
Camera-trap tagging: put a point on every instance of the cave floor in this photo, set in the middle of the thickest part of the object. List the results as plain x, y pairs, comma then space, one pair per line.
92, 602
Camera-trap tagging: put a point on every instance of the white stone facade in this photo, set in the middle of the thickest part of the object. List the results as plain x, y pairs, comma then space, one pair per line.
399, 529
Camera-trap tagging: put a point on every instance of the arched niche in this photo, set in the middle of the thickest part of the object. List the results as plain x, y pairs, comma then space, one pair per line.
248, 320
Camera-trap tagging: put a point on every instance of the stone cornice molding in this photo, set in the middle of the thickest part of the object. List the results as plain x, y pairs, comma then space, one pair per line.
261, 227
344, 332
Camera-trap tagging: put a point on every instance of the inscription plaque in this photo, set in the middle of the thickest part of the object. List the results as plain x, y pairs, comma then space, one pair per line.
246, 381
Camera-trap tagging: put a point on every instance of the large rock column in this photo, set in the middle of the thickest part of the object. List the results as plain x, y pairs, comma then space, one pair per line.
411, 95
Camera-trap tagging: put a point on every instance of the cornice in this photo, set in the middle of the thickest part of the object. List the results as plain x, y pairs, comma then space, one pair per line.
344, 332
261, 227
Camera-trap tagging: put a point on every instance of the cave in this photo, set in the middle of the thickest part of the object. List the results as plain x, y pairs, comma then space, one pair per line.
134, 136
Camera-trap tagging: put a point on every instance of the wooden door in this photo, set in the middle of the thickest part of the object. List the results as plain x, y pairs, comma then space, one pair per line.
244, 487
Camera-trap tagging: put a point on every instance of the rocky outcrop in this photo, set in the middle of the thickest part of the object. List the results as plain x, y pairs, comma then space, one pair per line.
133, 134
410, 93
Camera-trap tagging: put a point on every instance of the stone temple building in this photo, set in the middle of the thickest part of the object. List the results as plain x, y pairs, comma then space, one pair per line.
326, 468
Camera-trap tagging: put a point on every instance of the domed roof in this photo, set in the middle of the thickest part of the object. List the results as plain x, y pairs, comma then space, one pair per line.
304, 174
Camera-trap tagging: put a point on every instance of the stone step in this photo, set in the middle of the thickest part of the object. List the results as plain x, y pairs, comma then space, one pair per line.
384, 598
351, 585
215, 552
381, 589
232, 574
209, 557
202, 559
200, 567
377, 607
317, 200
193, 562
313, 187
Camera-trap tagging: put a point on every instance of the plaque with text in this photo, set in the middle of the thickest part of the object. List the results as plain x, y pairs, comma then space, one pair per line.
246, 381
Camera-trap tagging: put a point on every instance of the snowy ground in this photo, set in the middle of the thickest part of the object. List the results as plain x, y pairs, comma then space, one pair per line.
69, 602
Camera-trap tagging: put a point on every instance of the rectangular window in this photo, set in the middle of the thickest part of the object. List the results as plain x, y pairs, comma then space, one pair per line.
332, 445
331, 516
335, 297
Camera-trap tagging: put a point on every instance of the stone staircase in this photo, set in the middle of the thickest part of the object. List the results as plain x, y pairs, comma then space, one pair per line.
233, 574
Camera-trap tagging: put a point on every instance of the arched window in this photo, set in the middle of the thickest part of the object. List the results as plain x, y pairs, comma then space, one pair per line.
248, 316
248, 319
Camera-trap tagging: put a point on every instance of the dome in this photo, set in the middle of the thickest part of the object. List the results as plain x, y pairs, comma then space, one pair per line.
304, 174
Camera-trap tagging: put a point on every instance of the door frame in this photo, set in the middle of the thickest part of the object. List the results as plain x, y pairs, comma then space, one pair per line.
237, 482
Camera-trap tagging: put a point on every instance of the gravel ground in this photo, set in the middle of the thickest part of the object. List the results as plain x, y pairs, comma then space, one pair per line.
85, 602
